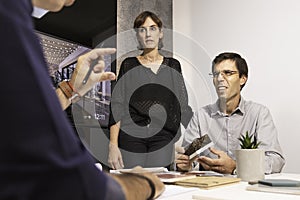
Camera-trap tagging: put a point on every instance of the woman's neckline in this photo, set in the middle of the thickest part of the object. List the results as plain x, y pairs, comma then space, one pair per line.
153, 67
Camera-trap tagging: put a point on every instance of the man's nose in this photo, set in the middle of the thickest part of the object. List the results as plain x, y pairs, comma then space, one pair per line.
220, 76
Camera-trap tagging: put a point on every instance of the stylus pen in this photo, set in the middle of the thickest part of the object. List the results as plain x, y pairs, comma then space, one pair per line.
91, 68
88, 75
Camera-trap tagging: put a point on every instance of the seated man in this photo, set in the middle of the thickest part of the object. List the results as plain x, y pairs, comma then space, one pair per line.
228, 118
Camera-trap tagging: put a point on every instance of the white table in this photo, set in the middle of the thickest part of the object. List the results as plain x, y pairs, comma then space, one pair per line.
228, 192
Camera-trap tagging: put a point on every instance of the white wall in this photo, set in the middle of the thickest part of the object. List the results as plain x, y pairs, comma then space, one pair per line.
267, 34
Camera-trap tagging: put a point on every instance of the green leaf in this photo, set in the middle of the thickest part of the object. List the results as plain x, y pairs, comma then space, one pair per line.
247, 143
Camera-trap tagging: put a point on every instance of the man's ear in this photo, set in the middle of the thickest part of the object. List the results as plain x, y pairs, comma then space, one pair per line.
243, 80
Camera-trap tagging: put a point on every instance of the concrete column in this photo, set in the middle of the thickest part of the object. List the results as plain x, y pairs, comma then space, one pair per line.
127, 11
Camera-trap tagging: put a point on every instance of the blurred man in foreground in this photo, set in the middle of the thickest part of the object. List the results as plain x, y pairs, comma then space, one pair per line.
41, 158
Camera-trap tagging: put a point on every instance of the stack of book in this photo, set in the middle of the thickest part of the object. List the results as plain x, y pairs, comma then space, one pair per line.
283, 186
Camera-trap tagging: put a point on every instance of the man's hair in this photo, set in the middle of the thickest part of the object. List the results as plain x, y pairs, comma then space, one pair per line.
240, 63
140, 20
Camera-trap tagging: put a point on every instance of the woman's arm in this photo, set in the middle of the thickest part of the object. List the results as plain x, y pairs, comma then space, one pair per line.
187, 111
114, 155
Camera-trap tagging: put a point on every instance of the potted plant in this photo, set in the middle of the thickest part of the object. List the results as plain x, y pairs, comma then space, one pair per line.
247, 143
249, 159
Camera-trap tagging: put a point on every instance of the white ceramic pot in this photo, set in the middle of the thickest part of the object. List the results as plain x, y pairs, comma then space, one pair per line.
250, 164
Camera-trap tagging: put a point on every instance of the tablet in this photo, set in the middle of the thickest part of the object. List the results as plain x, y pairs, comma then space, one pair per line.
280, 182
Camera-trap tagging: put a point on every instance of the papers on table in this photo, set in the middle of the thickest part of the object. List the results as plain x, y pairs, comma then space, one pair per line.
171, 177
272, 189
172, 191
149, 169
205, 173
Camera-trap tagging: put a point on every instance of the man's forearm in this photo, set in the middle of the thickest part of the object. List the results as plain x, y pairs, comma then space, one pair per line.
66, 94
64, 101
134, 188
274, 162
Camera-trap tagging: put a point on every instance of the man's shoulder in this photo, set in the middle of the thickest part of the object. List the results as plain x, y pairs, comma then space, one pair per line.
254, 106
207, 109
253, 103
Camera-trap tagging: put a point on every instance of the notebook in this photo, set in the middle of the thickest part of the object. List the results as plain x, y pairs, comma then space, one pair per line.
280, 182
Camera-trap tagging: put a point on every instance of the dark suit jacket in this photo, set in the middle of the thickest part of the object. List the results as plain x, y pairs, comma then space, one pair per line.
40, 156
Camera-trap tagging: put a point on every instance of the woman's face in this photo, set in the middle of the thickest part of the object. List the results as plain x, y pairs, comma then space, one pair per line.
149, 34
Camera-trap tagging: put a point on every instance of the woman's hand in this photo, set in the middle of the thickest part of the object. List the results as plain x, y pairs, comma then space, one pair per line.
115, 157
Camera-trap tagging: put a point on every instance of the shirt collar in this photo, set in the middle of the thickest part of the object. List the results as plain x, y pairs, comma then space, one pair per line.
215, 110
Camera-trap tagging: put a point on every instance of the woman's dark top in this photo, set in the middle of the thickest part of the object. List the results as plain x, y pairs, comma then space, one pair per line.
138, 89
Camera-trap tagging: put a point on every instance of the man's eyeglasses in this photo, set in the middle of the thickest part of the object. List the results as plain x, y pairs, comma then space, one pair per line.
224, 73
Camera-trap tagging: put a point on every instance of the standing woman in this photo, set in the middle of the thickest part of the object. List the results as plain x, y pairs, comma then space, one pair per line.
149, 101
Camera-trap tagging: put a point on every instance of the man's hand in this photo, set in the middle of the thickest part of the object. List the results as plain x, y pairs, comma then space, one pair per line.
52, 5
223, 164
183, 163
139, 184
159, 186
115, 157
95, 58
